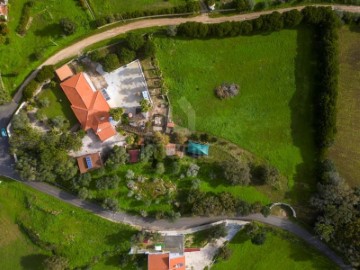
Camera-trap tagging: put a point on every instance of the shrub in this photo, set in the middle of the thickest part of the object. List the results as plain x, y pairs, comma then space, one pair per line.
126, 55
83, 193
145, 105
56, 262
116, 113
25, 17
148, 49
224, 252
110, 62
236, 173
160, 168
68, 26
171, 30
110, 204
118, 156
129, 174
134, 41
176, 167
179, 137
227, 90
30, 89
45, 73
193, 170
259, 238
265, 211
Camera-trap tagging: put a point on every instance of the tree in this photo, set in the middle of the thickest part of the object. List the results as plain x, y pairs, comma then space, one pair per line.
30, 89
130, 140
176, 167
108, 182
160, 168
83, 193
110, 204
259, 238
117, 157
45, 73
126, 55
145, 105
68, 26
159, 152
292, 18
179, 137
147, 153
116, 113
237, 173
110, 62
134, 41
56, 263
193, 170
83, 180
161, 139
217, 231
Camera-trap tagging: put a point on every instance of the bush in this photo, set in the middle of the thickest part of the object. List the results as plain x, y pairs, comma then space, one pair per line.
258, 238
160, 168
45, 73
134, 41
68, 26
110, 62
193, 170
224, 252
265, 211
30, 89
126, 55
176, 167
116, 113
179, 137
227, 90
145, 105
148, 50
108, 182
83, 193
56, 263
118, 156
110, 204
237, 173
25, 17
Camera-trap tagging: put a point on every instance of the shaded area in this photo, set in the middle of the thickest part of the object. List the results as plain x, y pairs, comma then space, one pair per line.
33, 261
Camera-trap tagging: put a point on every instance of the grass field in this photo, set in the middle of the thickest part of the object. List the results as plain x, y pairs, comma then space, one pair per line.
346, 150
271, 116
75, 234
106, 7
59, 105
281, 250
44, 35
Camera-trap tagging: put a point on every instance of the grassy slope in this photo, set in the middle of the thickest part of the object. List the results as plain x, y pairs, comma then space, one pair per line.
346, 151
77, 235
16, 56
272, 114
105, 7
59, 105
281, 250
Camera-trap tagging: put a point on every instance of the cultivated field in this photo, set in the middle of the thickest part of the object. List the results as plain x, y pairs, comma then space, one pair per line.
281, 250
73, 233
44, 36
106, 7
346, 150
271, 116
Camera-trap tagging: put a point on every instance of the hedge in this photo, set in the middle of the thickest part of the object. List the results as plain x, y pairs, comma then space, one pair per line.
25, 17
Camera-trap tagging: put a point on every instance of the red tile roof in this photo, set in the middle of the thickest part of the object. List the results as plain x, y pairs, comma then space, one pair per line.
158, 261
64, 72
134, 155
177, 263
95, 160
90, 108
3, 11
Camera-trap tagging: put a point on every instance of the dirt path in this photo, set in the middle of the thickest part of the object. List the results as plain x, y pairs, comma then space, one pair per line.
77, 48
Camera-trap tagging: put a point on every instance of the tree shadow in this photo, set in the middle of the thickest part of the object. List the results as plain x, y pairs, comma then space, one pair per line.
302, 114
53, 29
33, 261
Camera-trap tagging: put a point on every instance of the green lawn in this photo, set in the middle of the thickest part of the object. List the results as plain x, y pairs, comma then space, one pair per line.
271, 116
44, 35
346, 150
74, 233
59, 105
281, 250
106, 7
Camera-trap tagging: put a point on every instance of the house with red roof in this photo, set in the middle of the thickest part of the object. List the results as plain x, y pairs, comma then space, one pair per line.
166, 261
4, 9
89, 106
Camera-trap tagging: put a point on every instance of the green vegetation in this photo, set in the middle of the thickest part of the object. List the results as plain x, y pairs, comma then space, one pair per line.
346, 150
108, 7
281, 250
43, 37
272, 114
34, 225
58, 104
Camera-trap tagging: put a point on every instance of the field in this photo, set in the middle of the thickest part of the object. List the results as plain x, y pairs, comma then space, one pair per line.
106, 7
271, 116
44, 36
281, 250
346, 150
73, 233
59, 105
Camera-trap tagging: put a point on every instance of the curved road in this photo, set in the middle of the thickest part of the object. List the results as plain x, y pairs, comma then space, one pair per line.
6, 167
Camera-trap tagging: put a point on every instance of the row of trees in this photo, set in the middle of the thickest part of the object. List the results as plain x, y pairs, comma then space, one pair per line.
189, 7
133, 46
265, 23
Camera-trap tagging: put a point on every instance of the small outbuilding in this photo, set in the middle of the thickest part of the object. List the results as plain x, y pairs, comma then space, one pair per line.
64, 72
134, 155
198, 149
89, 162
